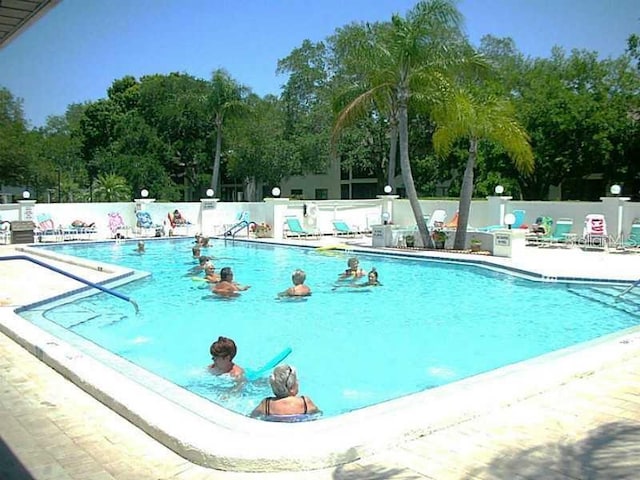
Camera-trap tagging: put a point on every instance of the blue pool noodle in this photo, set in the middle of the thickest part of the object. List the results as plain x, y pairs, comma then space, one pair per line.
254, 374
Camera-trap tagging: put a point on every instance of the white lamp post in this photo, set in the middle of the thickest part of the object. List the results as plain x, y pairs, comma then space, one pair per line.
615, 190
509, 220
499, 189
275, 192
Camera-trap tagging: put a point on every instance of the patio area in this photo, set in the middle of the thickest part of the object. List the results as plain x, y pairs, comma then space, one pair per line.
587, 426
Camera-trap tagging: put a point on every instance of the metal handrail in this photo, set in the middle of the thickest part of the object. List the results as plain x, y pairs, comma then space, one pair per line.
74, 277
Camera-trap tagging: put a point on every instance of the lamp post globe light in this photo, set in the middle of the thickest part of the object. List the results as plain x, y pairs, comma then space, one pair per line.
210, 192
144, 193
615, 189
387, 189
499, 189
275, 192
26, 195
509, 220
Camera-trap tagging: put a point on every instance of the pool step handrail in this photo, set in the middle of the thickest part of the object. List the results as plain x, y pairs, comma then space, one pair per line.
231, 232
628, 289
74, 277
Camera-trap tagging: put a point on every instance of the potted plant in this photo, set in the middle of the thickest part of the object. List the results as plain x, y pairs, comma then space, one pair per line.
262, 230
476, 244
439, 238
410, 241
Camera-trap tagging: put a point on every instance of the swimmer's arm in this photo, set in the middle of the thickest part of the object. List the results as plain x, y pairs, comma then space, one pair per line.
259, 410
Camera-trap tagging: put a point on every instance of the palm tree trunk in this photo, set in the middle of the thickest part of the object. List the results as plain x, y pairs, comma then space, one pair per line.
393, 152
407, 176
215, 176
466, 192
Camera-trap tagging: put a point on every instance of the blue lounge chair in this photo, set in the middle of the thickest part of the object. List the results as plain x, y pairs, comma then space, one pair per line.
340, 228
145, 226
542, 229
295, 229
633, 240
518, 223
561, 234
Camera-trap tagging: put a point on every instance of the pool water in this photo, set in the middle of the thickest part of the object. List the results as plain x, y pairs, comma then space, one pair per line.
431, 322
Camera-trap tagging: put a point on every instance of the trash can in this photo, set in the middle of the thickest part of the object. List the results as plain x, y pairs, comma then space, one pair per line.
22, 231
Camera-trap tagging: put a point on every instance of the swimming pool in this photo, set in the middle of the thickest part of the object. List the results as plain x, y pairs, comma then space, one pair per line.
431, 323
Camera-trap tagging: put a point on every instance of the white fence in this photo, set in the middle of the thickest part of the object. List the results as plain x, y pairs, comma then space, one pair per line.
319, 214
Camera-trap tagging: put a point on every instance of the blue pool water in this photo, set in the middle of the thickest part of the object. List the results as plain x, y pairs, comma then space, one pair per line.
430, 323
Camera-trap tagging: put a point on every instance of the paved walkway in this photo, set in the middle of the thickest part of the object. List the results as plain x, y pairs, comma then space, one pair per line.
587, 428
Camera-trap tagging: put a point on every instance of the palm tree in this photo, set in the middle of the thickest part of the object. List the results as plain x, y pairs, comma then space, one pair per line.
491, 119
225, 97
409, 58
111, 188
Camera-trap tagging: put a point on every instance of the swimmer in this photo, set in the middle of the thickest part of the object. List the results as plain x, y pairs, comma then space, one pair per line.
209, 273
353, 271
226, 287
223, 352
299, 289
372, 281
140, 247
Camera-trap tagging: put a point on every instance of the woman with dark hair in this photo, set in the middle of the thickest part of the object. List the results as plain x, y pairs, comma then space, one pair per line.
222, 352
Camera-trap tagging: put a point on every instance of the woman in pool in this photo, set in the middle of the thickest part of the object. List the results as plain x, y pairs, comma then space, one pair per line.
140, 247
223, 352
226, 287
353, 271
299, 289
286, 405
372, 281
210, 274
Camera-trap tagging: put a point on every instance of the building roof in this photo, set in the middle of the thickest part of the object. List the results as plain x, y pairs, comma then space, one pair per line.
17, 15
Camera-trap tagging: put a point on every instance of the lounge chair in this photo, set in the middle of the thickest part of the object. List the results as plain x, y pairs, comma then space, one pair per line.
632, 242
179, 224
561, 234
518, 223
436, 220
145, 226
5, 233
117, 226
295, 229
340, 228
242, 216
453, 224
46, 230
594, 236
541, 229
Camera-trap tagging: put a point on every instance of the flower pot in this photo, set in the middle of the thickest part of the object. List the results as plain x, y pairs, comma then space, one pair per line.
410, 242
439, 244
475, 247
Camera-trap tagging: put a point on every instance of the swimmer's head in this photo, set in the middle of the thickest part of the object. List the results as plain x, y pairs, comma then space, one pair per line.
298, 277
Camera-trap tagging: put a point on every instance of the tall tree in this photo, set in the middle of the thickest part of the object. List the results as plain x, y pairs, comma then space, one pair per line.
225, 97
489, 119
413, 57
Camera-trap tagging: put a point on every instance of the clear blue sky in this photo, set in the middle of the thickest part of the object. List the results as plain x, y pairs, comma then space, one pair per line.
78, 48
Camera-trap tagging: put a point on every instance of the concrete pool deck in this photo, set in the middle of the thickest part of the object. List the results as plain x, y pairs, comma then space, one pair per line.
585, 427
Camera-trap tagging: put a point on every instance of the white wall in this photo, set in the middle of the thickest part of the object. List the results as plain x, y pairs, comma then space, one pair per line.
360, 214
